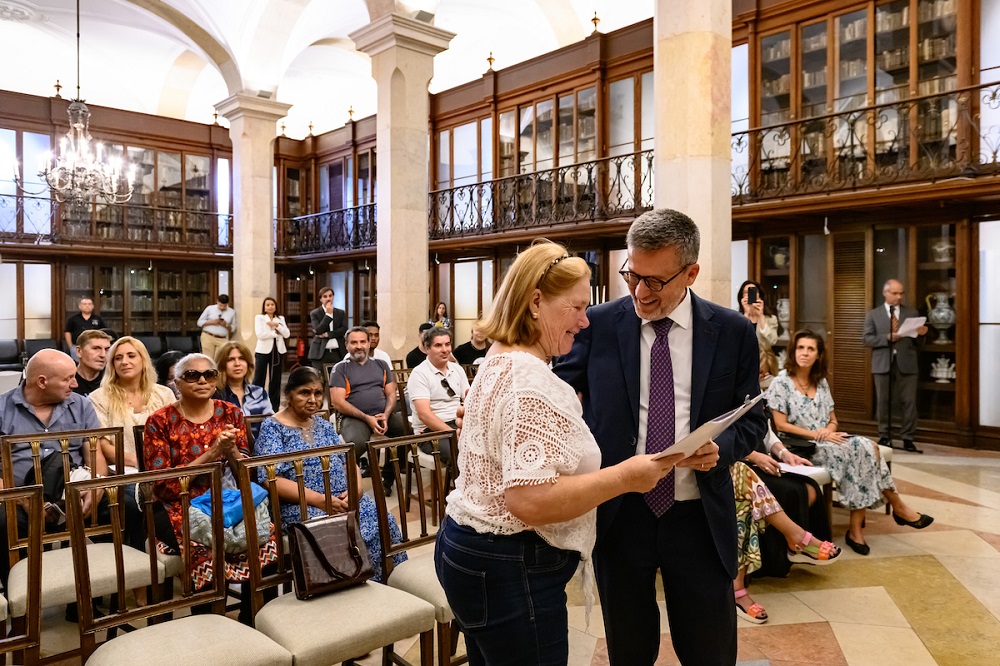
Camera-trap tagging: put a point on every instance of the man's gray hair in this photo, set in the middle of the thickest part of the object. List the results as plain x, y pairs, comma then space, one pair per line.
434, 332
358, 329
662, 228
185, 361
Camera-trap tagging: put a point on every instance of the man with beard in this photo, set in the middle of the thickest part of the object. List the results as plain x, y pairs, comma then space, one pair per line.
363, 390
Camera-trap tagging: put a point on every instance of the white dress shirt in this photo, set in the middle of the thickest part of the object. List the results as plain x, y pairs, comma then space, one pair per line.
681, 342
213, 312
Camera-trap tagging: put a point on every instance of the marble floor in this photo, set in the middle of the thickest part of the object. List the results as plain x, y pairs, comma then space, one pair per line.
921, 597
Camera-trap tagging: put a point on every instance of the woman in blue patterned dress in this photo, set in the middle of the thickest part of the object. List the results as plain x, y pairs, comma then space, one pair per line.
296, 428
802, 406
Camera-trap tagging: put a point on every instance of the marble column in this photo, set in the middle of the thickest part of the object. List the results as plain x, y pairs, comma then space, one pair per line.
402, 52
252, 129
692, 44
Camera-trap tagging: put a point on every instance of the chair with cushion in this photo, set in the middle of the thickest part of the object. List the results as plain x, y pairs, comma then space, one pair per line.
23, 639
153, 344
417, 575
182, 343
10, 356
203, 638
31, 347
341, 625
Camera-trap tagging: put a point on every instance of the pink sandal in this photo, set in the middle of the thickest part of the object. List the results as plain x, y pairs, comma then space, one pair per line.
755, 614
820, 555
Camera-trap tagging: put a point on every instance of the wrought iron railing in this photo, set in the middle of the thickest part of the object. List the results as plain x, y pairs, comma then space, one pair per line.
333, 231
603, 189
40, 220
926, 138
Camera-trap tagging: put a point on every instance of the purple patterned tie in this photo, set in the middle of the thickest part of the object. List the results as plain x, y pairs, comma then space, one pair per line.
660, 417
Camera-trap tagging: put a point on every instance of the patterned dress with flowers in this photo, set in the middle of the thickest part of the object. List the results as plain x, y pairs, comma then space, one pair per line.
855, 466
171, 441
753, 502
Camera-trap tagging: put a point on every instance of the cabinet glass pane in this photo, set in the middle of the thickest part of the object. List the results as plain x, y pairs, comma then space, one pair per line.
775, 78
891, 252
169, 179
814, 74
365, 193
567, 149
892, 51
621, 114
444, 160
143, 163
852, 60
8, 155
507, 141
37, 214
38, 308
935, 299
648, 113
526, 125
544, 128
465, 152
989, 322
813, 290
936, 73
586, 125
8, 306
197, 177
486, 148
292, 189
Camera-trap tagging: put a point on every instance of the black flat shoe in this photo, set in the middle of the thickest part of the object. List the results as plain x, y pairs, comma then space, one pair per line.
920, 523
859, 548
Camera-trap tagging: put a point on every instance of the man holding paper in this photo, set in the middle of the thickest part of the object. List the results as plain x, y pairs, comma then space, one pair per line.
650, 369
894, 361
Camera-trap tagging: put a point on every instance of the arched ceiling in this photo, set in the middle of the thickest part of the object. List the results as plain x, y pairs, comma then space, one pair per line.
179, 57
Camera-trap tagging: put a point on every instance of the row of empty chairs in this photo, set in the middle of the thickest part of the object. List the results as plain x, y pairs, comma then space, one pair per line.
15, 353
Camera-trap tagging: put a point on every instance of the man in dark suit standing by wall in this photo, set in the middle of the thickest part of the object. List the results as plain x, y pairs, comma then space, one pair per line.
894, 360
650, 369
329, 325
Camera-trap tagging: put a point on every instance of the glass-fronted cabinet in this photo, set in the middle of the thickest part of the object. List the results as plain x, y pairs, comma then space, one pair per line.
775, 261
935, 299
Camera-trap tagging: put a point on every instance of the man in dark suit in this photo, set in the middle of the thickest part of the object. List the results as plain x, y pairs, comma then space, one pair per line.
329, 325
650, 369
894, 361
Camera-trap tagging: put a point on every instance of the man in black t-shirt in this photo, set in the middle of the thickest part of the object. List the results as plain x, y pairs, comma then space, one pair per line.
472, 350
85, 320
417, 355
92, 350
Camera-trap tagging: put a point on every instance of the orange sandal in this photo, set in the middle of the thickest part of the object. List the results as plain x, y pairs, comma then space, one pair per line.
755, 614
820, 555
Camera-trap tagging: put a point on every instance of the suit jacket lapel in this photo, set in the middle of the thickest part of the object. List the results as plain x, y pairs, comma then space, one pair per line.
705, 336
628, 325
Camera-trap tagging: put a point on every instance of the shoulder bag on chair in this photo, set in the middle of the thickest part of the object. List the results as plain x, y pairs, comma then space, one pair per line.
328, 554
801, 447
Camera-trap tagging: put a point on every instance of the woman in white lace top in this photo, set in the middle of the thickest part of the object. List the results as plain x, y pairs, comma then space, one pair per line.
522, 515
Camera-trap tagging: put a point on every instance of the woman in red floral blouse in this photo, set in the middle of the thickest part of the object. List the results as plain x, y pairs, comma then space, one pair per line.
196, 430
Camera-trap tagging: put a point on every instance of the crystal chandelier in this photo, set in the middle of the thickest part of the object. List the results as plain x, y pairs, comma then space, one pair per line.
82, 171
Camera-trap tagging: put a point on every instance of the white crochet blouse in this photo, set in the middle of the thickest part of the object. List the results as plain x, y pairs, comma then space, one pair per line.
522, 426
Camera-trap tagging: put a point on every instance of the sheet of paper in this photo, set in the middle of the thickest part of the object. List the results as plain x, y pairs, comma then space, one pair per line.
804, 470
709, 430
908, 327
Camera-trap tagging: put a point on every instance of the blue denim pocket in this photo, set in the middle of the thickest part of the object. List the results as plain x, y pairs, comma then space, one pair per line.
466, 592
546, 558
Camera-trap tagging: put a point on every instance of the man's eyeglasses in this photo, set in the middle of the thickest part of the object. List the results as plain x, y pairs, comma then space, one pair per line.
192, 376
652, 283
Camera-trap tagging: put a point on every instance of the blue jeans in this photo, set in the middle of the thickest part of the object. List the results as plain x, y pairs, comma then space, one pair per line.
508, 594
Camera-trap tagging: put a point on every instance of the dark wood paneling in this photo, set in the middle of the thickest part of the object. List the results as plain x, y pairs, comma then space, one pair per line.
850, 375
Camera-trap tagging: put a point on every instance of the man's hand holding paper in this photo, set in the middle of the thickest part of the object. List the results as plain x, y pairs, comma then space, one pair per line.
703, 459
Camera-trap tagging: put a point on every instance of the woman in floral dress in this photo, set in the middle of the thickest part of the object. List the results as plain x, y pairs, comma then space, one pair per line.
193, 431
296, 428
802, 406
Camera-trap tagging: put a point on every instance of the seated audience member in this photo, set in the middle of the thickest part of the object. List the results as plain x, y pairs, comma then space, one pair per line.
439, 317
473, 351
165, 370
802, 406
374, 336
128, 395
198, 429
756, 508
235, 365
297, 428
92, 350
45, 403
363, 390
437, 388
418, 353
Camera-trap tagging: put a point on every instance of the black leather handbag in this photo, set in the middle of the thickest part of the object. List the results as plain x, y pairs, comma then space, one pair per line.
328, 554
803, 448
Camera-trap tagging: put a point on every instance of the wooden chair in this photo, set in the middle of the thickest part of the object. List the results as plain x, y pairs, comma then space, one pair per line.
248, 423
341, 625
417, 575
211, 638
398, 364
327, 375
23, 639
470, 370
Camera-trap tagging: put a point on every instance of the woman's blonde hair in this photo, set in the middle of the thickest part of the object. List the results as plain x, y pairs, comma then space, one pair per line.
222, 357
119, 408
545, 266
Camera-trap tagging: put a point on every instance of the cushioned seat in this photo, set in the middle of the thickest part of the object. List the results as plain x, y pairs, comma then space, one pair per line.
59, 576
173, 565
3, 608
418, 577
336, 627
195, 639
10, 356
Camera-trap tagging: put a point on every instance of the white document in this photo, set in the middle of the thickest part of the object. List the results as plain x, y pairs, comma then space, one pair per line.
908, 327
708, 431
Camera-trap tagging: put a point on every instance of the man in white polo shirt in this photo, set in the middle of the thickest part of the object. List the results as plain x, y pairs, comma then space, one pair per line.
437, 387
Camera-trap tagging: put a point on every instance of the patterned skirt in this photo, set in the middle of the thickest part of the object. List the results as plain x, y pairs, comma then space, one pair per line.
753, 503
860, 474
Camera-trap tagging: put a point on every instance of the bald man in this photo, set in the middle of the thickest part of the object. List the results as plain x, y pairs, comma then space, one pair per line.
46, 403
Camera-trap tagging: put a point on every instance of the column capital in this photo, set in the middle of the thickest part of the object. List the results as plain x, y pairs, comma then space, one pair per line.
244, 104
396, 30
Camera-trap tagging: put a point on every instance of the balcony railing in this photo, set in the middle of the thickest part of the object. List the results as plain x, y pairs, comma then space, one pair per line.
40, 220
927, 138
333, 231
603, 189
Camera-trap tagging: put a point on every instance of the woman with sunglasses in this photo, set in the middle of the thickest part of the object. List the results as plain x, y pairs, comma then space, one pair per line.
194, 430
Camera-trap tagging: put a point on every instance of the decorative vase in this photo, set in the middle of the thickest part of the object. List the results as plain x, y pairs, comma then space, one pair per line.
940, 315
943, 251
779, 256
